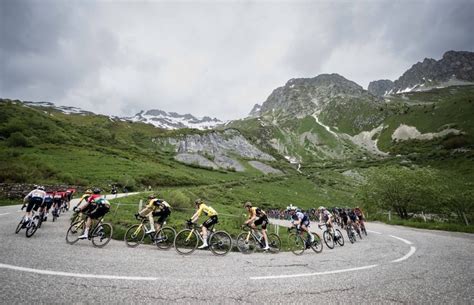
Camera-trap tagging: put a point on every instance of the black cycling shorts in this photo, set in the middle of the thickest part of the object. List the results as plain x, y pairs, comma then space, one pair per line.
163, 215
98, 212
262, 221
34, 203
210, 222
48, 203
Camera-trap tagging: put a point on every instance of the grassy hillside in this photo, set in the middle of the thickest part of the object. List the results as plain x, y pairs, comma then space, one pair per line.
42, 145
431, 111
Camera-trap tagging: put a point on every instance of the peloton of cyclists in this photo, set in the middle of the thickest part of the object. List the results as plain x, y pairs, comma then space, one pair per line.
257, 217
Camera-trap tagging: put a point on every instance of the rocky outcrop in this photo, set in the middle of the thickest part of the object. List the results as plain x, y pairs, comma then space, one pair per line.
255, 112
380, 87
405, 132
217, 149
226, 143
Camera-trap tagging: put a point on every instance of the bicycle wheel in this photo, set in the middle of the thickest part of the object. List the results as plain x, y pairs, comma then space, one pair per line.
296, 244
274, 242
134, 236
102, 234
317, 244
350, 235
75, 217
328, 239
164, 238
74, 231
186, 241
246, 246
19, 226
31, 229
220, 243
340, 238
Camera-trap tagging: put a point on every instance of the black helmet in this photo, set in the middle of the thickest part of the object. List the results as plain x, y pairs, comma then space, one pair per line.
96, 191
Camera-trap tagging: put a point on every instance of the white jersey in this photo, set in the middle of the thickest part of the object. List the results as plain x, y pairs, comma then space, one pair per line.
36, 194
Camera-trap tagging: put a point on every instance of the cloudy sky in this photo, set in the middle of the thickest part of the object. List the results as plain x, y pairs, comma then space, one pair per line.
214, 58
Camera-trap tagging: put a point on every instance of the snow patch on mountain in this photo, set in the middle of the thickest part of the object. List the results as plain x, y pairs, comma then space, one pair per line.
173, 120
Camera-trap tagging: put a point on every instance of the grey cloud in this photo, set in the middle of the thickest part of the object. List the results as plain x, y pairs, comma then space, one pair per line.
212, 58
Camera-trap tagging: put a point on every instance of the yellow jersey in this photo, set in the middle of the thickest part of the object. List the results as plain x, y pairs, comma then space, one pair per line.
155, 204
207, 210
254, 211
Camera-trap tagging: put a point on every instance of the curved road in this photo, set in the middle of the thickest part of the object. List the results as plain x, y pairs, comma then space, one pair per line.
392, 265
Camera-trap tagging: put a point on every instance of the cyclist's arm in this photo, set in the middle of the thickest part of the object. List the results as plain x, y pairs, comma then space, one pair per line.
252, 217
196, 215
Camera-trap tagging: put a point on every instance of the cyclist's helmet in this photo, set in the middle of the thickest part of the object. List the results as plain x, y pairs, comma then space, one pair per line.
96, 191
41, 187
151, 196
321, 208
198, 201
248, 204
291, 208
88, 191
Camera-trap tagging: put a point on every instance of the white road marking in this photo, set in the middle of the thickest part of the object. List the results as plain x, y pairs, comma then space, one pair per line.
80, 275
310, 274
374, 232
412, 251
4, 214
404, 240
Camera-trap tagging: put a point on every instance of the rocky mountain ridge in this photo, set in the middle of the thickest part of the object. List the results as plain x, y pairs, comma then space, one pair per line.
454, 68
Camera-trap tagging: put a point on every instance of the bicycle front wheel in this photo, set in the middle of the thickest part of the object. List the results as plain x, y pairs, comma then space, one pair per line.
74, 231
186, 241
274, 242
220, 243
20, 225
296, 244
134, 236
164, 238
246, 246
340, 238
31, 229
102, 234
317, 244
328, 239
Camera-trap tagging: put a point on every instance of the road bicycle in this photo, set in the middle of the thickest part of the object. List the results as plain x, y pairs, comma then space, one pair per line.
362, 227
32, 225
100, 233
250, 240
331, 236
298, 244
186, 240
136, 234
351, 233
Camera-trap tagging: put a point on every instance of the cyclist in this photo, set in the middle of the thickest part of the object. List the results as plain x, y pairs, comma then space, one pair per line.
69, 193
48, 201
257, 217
360, 215
326, 216
34, 200
95, 207
84, 197
155, 207
58, 199
300, 221
201, 207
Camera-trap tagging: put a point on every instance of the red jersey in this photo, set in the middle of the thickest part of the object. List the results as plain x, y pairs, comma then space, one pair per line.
93, 197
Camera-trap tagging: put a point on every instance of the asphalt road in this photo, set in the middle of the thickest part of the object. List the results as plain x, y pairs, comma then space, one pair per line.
392, 265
